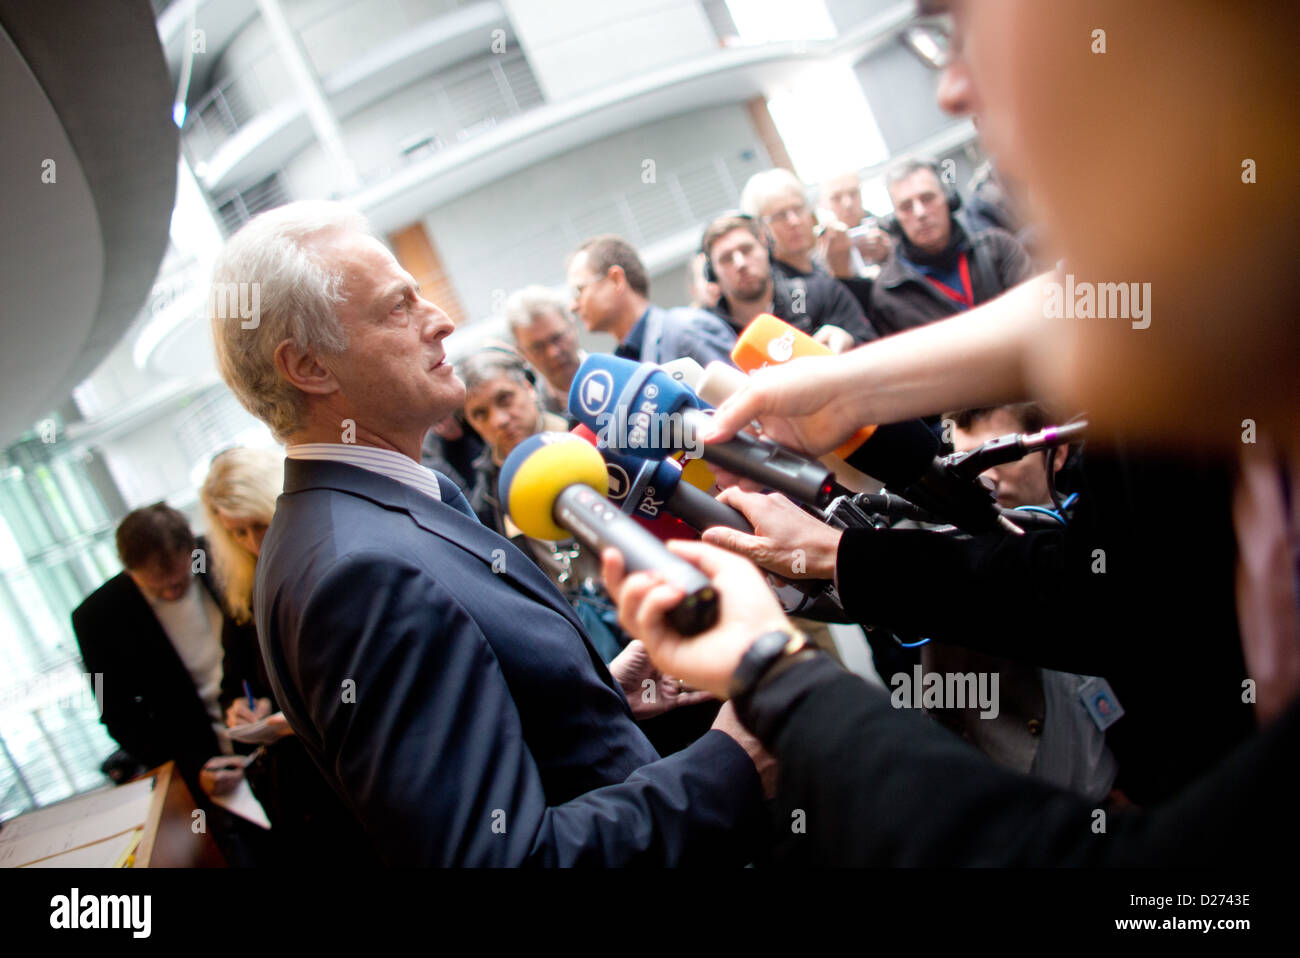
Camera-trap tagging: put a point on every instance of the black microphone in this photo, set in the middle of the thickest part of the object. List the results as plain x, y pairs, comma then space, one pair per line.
905, 457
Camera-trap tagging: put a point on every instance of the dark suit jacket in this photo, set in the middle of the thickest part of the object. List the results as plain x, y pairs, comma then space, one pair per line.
150, 705
449, 694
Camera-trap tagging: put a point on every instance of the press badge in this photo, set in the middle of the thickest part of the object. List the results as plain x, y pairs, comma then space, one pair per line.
1101, 703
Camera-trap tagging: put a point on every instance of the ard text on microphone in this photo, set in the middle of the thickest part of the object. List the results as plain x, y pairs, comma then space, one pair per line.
642, 427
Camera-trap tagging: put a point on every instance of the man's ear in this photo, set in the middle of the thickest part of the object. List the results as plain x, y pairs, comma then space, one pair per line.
303, 370
1059, 455
617, 277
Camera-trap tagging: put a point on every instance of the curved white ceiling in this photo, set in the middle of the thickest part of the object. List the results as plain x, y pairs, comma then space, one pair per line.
51, 251
82, 239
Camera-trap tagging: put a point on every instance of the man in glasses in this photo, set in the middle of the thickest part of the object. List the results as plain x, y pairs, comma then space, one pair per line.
547, 336
611, 294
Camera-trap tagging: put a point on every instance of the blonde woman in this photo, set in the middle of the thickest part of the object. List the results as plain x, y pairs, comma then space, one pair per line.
238, 500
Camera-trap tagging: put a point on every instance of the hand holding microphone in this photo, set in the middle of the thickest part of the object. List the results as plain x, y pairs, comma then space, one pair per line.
903, 455
785, 540
554, 484
640, 410
707, 661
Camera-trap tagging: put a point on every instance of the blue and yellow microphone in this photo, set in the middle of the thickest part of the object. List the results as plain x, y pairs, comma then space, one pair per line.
553, 485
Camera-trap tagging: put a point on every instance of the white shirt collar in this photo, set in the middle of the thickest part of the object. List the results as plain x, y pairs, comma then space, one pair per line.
386, 462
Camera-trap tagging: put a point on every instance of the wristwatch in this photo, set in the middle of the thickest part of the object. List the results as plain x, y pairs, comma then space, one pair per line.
763, 655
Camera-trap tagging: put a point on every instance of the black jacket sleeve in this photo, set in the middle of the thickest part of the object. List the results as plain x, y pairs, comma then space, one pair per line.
1137, 588
1149, 552
870, 784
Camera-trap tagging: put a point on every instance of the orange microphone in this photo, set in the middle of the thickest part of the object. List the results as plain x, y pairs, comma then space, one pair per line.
768, 341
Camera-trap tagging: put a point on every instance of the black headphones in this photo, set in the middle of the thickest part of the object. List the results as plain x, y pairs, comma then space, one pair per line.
710, 274
889, 223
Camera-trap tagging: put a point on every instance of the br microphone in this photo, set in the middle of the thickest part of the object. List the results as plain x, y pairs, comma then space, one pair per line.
553, 485
640, 410
654, 487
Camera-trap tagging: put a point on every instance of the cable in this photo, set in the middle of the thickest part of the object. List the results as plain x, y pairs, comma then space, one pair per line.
1047, 512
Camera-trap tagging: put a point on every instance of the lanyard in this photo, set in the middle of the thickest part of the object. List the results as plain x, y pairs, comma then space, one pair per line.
966, 295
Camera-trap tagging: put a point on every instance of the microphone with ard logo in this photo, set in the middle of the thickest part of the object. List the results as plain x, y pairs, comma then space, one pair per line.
641, 411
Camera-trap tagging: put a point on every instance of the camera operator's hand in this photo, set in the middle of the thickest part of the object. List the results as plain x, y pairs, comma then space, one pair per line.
786, 539
805, 405
834, 248
704, 661
875, 245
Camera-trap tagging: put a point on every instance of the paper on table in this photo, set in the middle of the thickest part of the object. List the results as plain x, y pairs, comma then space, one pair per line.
105, 854
135, 795
244, 803
77, 822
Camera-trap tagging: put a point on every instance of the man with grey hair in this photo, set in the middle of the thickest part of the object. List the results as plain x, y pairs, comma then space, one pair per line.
445, 688
547, 336
800, 246
937, 269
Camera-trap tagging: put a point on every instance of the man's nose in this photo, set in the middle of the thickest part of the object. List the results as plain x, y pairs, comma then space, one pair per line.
437, 323
955, 93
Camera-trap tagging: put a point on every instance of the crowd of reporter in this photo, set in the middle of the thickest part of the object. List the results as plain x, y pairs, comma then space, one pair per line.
1148, 641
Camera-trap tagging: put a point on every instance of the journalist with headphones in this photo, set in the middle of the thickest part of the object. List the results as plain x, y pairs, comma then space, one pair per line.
938, 268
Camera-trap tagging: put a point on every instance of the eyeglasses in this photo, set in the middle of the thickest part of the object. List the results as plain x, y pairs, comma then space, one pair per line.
933, 41
797, 211
550, 342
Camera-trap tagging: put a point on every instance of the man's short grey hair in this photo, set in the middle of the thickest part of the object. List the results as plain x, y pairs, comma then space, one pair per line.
296, 294
531, 302
901, 169
489, 363
764, 187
